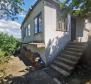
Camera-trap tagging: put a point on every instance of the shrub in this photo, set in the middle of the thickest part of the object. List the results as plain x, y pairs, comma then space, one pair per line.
8, 44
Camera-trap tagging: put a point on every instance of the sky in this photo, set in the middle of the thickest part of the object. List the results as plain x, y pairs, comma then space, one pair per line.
28, 4
13, 27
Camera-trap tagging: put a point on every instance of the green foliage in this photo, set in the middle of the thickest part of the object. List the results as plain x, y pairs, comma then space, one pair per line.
10, 8
8, 44
78, 7
2, 53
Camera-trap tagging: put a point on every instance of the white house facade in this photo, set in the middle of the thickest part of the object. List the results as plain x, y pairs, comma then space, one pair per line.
45, 29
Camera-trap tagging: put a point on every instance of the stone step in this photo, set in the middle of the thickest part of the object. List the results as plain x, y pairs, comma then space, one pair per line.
70, 57
78, 43
74, 49
75, 46
63, 65
69, 52
60, 70
57, 81
68, 61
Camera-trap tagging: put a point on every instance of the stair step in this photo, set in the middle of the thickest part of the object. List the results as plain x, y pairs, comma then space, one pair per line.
73, 53
71, 57
74, 49
82, 43
75, 46
61, 64
66, 61
77, 43
61, 71
69, 61
57, 81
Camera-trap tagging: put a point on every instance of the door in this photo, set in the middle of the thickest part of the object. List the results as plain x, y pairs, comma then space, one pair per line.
73, 29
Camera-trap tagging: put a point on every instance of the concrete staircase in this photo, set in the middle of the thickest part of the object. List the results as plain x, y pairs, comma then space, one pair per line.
66, 61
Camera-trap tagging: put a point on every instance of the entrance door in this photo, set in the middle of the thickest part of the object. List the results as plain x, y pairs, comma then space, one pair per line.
73, 29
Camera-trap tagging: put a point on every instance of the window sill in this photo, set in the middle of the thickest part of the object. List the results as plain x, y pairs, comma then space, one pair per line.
37, 33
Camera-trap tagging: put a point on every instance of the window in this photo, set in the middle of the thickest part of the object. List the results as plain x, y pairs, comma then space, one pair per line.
29, 33
38, 23
26, 30
23, 33
61, 23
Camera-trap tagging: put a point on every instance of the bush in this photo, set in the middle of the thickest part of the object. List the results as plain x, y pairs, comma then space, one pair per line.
8, 44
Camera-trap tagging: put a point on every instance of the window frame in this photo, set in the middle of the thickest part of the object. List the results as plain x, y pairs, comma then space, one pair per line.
38, 23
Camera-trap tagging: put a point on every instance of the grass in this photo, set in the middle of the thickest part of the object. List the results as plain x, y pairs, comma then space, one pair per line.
2, 53
3, 63
4, 58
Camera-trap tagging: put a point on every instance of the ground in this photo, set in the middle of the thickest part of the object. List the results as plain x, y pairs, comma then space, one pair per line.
19, 74
14, 67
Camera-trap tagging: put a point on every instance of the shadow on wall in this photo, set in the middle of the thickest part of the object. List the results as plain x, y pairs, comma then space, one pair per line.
55, 46
80, 24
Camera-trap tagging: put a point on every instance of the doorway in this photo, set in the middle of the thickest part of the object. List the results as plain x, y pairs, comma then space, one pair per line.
73, 29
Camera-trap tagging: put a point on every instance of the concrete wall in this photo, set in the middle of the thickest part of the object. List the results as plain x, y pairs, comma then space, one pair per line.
35, 37
41, 50
83, 26
54, 40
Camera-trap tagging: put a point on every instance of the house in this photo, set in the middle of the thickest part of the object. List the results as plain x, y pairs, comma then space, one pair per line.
46, 29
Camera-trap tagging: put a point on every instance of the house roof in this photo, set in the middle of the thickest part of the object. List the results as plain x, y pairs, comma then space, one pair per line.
31, 9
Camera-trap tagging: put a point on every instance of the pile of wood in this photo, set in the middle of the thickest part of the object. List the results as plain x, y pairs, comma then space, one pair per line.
34, 57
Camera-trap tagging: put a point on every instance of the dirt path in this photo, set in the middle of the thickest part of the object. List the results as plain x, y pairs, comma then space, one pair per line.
15, 67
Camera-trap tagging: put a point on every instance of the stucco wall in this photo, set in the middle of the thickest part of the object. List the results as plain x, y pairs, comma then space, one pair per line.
54, 40
83, 26
30, 20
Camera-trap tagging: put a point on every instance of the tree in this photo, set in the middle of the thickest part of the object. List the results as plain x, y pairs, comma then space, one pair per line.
10, 8
78, 7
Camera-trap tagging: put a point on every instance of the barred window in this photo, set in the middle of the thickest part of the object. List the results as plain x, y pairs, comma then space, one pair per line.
61, 23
